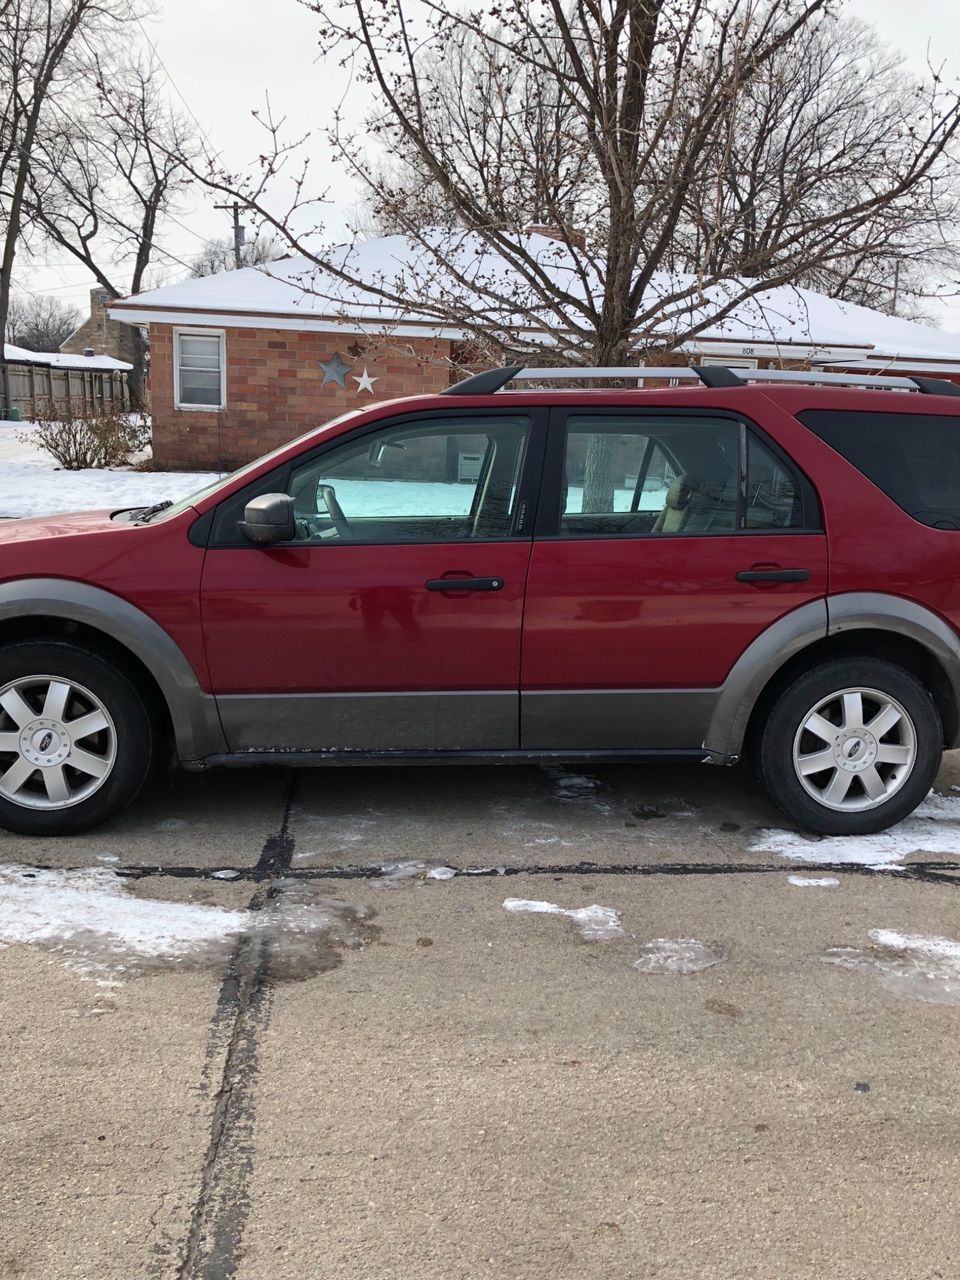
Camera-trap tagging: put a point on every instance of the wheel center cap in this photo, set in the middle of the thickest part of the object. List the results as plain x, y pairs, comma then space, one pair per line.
45, 743
855, 750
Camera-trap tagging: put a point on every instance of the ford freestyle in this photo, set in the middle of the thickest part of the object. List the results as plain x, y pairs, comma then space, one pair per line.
755, 565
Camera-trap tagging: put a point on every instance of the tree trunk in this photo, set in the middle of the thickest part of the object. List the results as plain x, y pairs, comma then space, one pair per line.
136, 378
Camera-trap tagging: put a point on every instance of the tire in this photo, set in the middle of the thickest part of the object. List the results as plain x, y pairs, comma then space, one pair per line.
871, 779
84, 726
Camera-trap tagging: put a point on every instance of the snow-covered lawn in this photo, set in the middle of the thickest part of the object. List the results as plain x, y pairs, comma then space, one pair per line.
31, 483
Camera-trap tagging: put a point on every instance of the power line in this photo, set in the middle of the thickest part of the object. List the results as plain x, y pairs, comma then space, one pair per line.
190, 230
75, 264
176, 88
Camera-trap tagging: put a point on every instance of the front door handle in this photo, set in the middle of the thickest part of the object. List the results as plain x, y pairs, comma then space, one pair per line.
464, 584
773, 575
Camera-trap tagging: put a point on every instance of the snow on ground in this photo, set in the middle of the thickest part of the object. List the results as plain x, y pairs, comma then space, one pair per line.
91, 921
913, 965
32, 484
933, 827
678, 956
597, 924
813, 882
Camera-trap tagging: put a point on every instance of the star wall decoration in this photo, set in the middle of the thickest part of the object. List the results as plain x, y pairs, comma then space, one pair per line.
365, 382
335, 370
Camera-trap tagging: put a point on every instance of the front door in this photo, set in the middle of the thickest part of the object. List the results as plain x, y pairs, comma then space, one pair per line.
392, 621
637, 605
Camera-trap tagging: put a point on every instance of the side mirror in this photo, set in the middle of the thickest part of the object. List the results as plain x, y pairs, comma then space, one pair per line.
269, 519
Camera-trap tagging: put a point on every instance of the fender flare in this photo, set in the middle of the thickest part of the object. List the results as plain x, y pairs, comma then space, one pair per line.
790, 635
193, 713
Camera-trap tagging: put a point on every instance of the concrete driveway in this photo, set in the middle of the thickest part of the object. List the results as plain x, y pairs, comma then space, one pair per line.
284, 1026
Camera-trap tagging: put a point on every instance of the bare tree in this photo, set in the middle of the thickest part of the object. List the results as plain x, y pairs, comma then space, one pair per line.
823, 127
652, 94
101, 185
517, 129
39, 322
42, 43
217, 255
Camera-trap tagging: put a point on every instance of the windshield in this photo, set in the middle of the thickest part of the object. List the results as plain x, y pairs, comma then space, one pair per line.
176, 508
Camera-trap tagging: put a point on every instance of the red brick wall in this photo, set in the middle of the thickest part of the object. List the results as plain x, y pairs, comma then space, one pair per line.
274, 390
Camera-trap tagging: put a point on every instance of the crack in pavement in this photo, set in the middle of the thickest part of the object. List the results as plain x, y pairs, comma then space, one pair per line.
926, 872
212, 1246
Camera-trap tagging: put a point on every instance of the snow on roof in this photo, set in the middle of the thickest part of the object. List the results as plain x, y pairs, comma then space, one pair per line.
60, 360
474, 277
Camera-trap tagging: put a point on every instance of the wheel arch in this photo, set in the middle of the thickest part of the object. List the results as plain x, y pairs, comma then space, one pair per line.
59, 608
874, 624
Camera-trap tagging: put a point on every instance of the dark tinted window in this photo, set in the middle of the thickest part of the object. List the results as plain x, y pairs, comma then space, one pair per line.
642, 474
913, 458
773, 493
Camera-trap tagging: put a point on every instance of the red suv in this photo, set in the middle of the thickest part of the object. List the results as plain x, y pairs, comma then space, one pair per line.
700, 571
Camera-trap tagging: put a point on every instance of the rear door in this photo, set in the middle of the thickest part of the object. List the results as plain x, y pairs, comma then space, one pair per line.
667, 542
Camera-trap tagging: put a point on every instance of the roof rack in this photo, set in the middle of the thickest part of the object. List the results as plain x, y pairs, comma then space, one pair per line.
492, 380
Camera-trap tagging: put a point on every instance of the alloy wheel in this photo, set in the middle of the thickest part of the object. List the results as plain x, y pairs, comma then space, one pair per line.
855, 749
58, 742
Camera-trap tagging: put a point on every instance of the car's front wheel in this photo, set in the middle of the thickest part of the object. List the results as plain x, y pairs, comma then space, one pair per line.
77, 741
851, 747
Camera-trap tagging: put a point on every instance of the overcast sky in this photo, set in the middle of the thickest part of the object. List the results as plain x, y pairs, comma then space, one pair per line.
224, 55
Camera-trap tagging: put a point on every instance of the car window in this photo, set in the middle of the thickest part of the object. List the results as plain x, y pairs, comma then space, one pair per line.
914, 458
774, 499
432, 481
648, 475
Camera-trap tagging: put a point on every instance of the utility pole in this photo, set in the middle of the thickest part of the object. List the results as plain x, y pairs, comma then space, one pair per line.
238, 232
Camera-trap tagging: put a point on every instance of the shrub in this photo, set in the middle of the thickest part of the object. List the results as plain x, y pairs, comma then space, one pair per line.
82, 439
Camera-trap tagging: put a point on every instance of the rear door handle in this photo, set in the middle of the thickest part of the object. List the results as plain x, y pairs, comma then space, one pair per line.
464, 584
773, 575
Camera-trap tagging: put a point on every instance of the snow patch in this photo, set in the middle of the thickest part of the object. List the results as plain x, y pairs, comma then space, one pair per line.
680, 956
911, 965
92, 923
96, 926
227, 873
933, 827
32, 484
813, 882
441, 873
596, 923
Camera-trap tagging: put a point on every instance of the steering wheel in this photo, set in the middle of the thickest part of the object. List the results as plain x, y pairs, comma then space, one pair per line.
334, 509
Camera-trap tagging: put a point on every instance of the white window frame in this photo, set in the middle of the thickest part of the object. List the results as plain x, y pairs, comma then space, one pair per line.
731, 362
200, 333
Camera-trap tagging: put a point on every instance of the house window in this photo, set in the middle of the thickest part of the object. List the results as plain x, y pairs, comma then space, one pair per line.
199, 369
731, 362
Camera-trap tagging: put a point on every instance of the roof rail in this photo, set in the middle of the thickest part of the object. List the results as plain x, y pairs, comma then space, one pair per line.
708, 375
481, 384
493, 379
717, 375
937, 386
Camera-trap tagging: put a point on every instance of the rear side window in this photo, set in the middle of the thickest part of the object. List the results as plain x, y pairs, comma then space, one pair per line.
913, 458
643, 474
774, 499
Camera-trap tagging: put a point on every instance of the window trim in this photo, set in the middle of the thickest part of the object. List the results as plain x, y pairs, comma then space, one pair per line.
195, 332
549, 513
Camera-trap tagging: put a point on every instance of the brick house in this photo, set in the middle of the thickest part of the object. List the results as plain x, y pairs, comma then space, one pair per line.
245, 360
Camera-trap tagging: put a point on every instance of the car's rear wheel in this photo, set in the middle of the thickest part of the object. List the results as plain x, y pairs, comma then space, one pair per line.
77, 741
851, 747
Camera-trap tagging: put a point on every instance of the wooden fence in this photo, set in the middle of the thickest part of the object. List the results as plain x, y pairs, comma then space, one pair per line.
85, 389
